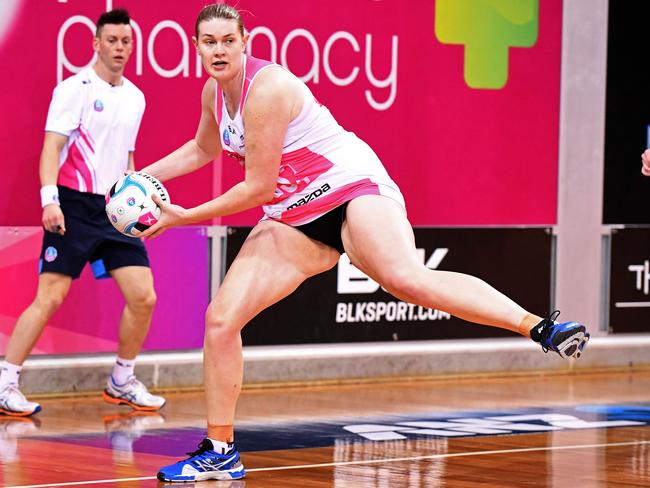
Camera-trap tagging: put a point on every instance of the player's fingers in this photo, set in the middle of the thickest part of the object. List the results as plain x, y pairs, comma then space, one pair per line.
157, 200
51, 225
161, 231
147, 233
156, 232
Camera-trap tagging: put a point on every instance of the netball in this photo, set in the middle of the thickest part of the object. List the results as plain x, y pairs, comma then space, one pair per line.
129, 206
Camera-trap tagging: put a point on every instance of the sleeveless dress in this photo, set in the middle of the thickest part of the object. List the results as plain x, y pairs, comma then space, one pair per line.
322, 166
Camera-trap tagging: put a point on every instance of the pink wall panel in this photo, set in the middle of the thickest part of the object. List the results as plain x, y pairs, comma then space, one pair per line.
89, 317
462, 155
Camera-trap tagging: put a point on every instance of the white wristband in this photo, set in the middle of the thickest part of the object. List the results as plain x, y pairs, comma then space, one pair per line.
49, 194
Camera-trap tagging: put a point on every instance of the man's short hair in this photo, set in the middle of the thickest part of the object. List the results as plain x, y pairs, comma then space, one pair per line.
115, 16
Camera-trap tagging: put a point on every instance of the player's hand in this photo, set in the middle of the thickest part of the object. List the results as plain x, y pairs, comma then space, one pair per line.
645, 160
171, 216
52, 219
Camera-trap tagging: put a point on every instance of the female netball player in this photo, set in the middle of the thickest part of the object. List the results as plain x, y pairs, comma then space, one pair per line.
324, 192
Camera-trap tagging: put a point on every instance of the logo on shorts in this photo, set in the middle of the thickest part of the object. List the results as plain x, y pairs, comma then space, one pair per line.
98, 105
50, 254
130, 202
226, 137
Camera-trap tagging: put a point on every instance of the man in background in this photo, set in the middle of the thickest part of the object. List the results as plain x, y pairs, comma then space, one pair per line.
90, 135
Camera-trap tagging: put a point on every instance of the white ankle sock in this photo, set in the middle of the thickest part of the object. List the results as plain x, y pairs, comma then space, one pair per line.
123, 370
9, 374
220, 446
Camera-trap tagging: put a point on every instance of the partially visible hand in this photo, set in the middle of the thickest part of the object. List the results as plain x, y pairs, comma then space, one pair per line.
645, 160
171, 216
53, 220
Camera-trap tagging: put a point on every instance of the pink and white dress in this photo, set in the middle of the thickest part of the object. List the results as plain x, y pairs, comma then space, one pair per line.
322, 165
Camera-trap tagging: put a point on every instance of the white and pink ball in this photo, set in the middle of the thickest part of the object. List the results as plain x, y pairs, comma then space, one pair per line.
129, 206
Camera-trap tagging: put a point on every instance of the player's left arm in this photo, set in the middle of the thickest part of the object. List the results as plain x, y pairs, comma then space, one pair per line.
270, 106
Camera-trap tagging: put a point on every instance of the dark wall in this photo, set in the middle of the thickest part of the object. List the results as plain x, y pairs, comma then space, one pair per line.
330, 308
626, 191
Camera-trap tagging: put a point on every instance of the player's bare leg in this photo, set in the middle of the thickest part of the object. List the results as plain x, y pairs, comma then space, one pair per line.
273, 262
379, 240
52, 290
136, 285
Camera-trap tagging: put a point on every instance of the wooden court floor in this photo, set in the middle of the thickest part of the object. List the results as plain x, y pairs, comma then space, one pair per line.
534, 431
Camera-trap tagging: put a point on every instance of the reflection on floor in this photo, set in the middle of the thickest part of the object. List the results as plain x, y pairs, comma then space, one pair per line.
532, 431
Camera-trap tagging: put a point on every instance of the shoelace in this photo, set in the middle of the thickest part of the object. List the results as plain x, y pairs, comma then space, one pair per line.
132, 384
545, 328
204, 446
13, 390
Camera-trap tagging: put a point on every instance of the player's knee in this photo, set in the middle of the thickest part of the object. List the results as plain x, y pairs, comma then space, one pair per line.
217, 326
143, 300
49, 302
403, 285
149, 300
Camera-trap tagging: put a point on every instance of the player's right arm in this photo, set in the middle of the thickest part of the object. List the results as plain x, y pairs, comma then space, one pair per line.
53, 144
197, 152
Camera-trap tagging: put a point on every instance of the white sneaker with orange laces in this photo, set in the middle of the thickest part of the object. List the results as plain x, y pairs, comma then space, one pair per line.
14, 403
134, 394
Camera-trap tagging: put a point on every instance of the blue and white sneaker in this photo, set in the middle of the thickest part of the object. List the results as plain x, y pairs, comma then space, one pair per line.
568, 339
205, 464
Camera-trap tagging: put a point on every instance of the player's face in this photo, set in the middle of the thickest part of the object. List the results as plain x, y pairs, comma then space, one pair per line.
221, 47
114, 46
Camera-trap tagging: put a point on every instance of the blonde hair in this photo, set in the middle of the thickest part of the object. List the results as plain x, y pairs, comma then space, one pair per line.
219, 11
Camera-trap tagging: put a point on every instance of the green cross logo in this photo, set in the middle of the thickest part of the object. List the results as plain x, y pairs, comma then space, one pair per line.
487, 29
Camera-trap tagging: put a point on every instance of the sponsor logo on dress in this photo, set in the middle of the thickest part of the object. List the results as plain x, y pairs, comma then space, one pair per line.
226, 137
98, 105
130, 202
289, 182
312, 196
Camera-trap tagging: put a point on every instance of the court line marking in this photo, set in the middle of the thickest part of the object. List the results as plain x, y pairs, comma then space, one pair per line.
369, 461
632, 304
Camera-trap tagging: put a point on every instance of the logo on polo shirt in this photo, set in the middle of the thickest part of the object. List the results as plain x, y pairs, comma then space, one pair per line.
98, 105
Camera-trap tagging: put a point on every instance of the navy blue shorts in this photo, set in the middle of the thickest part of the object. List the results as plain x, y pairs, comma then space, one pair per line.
89, 237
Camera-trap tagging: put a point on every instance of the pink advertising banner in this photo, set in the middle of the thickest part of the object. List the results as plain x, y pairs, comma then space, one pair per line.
87, 322
459, 98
